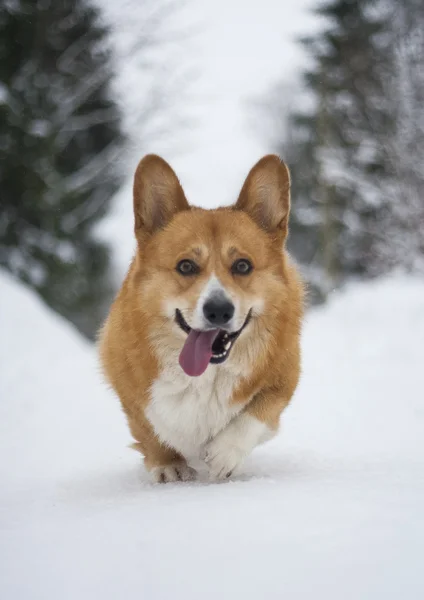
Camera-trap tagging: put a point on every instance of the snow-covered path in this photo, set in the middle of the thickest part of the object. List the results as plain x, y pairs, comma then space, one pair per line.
333, 508
231, 55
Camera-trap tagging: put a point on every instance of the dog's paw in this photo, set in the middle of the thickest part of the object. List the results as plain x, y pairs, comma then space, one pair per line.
174, 472
222, 456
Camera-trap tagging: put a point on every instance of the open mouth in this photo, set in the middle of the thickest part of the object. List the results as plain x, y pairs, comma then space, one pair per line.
206, 347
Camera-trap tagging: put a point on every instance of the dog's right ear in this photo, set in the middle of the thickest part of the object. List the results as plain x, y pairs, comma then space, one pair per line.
158, 196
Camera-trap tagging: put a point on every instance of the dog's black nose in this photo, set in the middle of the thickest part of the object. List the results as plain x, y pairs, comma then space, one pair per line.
218, 312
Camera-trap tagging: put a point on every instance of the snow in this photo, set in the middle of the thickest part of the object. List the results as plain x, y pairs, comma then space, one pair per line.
330, 509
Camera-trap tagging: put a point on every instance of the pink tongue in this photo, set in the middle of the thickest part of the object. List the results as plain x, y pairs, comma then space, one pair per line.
197, 351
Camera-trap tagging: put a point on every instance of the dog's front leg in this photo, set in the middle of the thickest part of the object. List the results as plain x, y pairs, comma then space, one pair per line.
257, 423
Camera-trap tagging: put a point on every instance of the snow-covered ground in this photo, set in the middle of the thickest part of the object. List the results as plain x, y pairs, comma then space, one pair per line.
333, 508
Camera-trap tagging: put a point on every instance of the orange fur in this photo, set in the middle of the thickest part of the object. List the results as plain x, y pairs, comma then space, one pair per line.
140, 334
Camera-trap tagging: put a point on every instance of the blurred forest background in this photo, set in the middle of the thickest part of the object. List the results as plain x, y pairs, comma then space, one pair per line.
352, 132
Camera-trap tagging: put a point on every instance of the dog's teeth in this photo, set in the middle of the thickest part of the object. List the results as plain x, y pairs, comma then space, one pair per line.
224, 352
226, 346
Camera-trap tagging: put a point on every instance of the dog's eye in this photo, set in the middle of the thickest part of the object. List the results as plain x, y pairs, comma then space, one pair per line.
242, 266
187, 267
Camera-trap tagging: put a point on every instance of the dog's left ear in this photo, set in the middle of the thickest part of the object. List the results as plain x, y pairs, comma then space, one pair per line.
265, 195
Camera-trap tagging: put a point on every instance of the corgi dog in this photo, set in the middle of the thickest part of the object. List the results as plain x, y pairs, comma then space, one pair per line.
202, 343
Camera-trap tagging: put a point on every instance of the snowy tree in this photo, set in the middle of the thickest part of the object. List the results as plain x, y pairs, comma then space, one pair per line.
60, 137
357, 152
399, 239
345, 80
370, 83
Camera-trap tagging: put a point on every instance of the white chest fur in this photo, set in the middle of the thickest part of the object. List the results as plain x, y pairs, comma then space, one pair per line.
186, 412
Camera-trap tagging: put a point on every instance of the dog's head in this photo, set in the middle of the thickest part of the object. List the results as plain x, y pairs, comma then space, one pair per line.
207, 277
